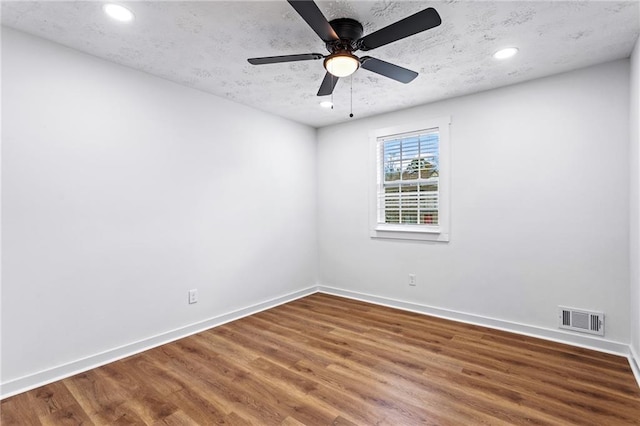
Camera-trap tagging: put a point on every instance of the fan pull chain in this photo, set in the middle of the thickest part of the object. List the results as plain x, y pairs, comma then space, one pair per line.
332, 77
351, 110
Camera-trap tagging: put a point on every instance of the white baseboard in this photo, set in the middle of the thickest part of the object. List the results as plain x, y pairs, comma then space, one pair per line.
41, 378
634, 362
559, 336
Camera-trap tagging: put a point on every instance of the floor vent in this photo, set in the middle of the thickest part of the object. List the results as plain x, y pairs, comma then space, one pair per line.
581, 320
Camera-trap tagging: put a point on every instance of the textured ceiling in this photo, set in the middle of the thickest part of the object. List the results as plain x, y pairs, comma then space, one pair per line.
205, 44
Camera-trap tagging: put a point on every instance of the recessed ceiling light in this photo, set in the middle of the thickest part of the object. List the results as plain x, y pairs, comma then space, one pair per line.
117, 12
326, 104
505, 53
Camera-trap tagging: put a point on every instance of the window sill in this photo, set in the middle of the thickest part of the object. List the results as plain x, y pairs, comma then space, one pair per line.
409, 232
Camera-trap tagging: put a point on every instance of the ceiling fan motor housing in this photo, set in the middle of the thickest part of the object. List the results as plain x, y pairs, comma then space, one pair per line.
349, 31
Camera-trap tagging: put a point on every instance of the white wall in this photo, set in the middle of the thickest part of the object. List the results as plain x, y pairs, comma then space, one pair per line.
122, 191
635, 200
540, 208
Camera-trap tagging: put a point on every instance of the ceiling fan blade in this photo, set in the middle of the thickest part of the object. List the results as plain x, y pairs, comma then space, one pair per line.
406, 27
387, 69
328, 84
309, 11
285, 58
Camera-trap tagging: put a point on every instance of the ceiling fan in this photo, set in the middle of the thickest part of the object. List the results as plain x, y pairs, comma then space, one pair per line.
343, 36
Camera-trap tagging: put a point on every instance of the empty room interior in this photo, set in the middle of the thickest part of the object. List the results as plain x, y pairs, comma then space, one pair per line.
333, 212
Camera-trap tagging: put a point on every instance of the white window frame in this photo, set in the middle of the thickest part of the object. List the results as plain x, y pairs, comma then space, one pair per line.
412, 231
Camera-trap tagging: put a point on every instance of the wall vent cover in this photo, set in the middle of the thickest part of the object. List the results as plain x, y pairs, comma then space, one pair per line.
581, 320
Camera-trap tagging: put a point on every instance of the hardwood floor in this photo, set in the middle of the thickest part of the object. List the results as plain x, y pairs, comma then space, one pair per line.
324, 360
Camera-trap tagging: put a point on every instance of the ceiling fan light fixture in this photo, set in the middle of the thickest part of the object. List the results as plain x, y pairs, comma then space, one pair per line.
326, 104
341, 64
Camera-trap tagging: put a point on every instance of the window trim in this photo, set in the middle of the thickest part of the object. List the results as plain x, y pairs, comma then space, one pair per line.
413, 231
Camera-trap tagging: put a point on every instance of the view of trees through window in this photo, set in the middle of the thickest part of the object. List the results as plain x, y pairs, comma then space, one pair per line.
410, 183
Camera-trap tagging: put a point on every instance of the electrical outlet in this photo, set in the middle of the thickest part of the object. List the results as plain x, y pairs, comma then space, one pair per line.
193, 296
412, 279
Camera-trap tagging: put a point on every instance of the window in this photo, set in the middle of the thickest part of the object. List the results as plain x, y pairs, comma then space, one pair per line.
411, 195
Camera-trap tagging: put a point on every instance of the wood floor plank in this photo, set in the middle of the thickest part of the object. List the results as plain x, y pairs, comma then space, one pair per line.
555, 349
19, 410
287, 341
96, 394
176, 419
233, 388
50, 398
73, 415
327, 360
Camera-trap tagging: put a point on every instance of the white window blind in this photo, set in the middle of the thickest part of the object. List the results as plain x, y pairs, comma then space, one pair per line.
410, 182
408, 178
